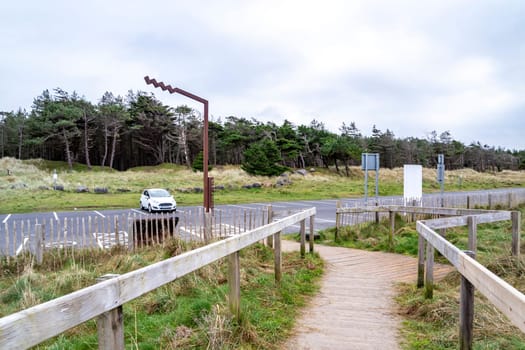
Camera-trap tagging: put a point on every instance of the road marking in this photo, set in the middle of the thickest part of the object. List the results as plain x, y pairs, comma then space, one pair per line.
99, 213
22, 246
296, 203
325, 220
137, 211
240, 206
6, 218
320, 203
56, 216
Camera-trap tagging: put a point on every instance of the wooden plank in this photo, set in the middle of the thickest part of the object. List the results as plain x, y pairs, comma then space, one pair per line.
429, 273
311, 237
234, 282
466, 312
415, 210
472, 233
516, 229
420, 261
277, 256
506, 298
110, 325
463, 221
39, 246
303, 238
36, 324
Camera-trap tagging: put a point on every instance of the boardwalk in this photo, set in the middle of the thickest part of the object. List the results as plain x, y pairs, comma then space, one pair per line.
354, 308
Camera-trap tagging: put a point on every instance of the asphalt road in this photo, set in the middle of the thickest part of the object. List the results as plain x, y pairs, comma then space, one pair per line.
325, 217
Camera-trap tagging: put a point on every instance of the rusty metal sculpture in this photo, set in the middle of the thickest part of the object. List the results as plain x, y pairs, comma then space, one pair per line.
206, 181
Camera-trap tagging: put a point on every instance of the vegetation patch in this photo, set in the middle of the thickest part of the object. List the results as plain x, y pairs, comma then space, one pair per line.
191, 312
434, 324
32, 183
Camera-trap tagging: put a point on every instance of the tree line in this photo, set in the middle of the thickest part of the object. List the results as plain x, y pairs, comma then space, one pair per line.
138, 130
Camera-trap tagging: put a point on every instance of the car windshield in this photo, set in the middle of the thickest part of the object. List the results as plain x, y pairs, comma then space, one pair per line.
159, 193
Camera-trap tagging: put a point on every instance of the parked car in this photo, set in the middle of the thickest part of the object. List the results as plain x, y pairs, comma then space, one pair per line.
157, 199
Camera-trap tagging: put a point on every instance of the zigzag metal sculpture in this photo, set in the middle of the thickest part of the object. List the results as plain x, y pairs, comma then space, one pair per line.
208, 182
172, 90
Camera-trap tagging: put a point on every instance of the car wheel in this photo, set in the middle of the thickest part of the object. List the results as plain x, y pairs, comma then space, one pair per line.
149, 208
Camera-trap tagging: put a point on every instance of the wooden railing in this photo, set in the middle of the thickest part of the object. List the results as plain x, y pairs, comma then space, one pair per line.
506, 298
105, 299
134, 230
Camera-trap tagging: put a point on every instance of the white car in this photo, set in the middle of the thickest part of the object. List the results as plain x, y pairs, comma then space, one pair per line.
157, 199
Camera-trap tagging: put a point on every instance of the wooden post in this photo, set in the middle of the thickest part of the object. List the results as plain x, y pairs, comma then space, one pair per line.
466, 313
303, 238
39, 246
207, 226
110, 325
234, 282
468, 202
277, 256
490, 200
472, 233
6, 251
115, 225
511, 202
420, 261
337, 220
131, 233
429, 276
269, 240
516, 223
392, 215
377, 213
311, 237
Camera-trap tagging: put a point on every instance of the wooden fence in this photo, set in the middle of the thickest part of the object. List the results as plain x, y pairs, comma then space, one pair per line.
506, 298
355, 215
133, 229
105, 299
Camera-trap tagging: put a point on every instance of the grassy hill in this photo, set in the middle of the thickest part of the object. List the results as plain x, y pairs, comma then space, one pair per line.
31, 183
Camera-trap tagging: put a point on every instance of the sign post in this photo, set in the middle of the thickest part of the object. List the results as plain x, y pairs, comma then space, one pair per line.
370, 161
441, 175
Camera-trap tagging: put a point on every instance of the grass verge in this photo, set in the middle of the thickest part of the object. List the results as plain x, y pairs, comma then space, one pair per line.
434, 324
189, 313
31, 181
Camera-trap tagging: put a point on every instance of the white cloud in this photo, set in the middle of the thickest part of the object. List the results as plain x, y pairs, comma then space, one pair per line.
411, 67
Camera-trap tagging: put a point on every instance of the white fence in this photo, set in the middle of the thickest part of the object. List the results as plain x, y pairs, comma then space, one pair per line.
130, 229
352, 215
105, 299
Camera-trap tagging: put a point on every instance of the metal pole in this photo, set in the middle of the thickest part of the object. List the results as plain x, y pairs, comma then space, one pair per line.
160, 84
205, 159
366, 178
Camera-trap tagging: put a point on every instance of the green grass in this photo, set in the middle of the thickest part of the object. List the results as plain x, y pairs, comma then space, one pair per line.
31, 183
189, 313
433, 324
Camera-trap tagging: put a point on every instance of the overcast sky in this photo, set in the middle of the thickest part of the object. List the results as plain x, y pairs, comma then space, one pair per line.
408, 66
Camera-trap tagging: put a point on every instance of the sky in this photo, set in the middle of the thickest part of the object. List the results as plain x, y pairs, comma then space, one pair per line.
411, 67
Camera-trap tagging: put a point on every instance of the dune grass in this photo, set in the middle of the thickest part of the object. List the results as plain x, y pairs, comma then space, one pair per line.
189, 313
434, 324
31, 183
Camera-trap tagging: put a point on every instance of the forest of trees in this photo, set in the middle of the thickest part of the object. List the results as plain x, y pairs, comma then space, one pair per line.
136, 130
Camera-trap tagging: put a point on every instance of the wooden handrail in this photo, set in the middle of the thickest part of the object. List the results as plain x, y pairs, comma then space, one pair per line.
506, 298
36, 324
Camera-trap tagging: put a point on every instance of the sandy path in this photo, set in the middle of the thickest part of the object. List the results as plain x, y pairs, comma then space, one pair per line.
354, 308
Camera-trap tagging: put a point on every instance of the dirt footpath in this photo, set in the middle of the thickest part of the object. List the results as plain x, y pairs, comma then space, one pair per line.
354, 308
